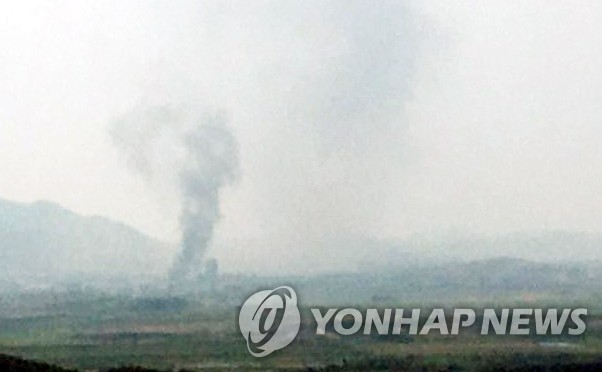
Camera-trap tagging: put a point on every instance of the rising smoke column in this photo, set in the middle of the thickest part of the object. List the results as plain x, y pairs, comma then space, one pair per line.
212, 164
199, 155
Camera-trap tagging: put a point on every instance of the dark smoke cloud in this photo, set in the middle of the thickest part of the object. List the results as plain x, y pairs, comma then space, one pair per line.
199, 156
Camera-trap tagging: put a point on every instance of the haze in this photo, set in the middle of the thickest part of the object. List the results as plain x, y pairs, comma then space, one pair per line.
354, 119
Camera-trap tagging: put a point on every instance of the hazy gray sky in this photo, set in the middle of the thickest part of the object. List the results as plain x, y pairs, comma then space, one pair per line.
377, 119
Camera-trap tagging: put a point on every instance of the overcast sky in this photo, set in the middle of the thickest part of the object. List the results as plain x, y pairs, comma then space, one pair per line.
354, 118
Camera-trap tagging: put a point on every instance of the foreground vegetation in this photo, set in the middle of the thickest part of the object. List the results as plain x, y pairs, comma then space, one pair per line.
101, 332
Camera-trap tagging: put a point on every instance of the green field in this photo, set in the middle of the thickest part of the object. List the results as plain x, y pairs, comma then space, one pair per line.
103, 332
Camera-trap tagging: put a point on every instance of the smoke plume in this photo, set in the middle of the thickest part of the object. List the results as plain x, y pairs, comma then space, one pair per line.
199, 156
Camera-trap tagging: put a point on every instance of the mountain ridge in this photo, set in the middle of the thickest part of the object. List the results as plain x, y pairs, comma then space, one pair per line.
43, 243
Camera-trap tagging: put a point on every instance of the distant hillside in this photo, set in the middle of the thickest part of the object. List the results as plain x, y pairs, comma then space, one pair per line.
507, 279
547, 246
543, 246
43, 244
